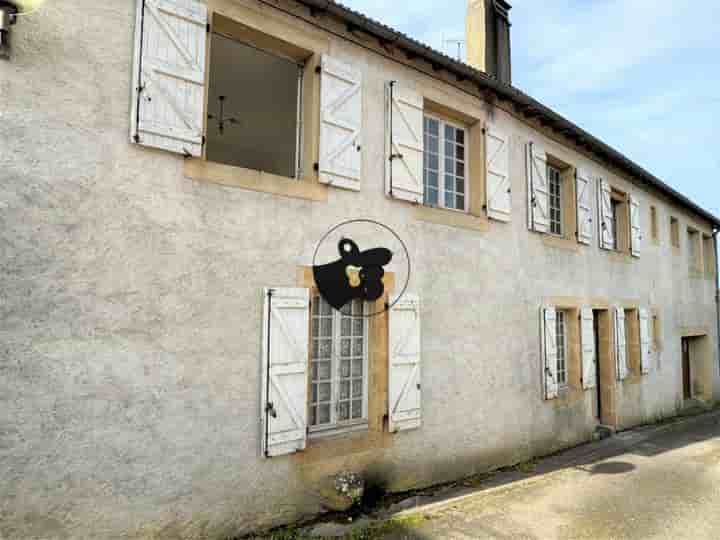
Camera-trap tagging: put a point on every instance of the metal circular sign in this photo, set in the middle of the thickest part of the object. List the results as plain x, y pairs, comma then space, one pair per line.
352, 260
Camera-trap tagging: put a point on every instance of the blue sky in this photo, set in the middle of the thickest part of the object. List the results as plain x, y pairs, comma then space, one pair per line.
642, 75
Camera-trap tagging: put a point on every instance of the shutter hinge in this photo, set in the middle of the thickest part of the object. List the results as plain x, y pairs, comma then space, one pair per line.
396, 156
270, 409
318, 69
204, 140
207, 28
316, 167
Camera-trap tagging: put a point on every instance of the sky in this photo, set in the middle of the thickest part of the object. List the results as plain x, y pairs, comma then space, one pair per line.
641, 75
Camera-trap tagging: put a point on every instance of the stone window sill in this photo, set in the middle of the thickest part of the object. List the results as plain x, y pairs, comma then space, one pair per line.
226, 175
451, 218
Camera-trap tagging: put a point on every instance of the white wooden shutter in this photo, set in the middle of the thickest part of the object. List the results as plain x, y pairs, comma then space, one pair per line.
635, 230
538, 189
605, 214
497, 163
405, 145
620, 344
169, 75
283, 406
341, 125
584, 207
589, 357
644, 316
405, 392
549, 348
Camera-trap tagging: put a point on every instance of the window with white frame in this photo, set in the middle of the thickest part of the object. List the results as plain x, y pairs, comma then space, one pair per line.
561, 336
338, 393
445, 164
555, 200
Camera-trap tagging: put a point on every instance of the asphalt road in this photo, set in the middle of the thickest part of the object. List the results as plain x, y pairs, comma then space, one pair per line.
658, 483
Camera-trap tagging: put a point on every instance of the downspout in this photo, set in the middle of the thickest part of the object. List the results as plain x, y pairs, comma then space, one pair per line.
717, 288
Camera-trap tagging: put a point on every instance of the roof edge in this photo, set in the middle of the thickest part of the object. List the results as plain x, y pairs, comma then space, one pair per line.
523, 101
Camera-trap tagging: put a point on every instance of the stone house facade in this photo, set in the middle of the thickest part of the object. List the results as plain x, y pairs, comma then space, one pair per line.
168, 368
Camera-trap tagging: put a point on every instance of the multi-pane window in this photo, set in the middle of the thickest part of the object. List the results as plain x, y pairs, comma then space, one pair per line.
555, 188
561, 348
445, 165
338, 394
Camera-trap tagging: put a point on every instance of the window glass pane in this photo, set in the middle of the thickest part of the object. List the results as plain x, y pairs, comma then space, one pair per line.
356, 409
449, 153
431, 197
432, 145
460, 202
324, 414
561, 356
432, 126
460, 169
555, 200
344, 411
449, 133
433, 162
460, 152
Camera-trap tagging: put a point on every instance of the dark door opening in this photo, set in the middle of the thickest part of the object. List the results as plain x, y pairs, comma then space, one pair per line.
687, 387
596, 331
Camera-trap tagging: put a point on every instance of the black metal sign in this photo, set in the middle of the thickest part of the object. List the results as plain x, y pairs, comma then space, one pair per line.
357, 273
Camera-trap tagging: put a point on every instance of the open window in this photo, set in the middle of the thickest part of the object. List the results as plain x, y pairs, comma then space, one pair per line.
251, 107
255, 100
254, 106
614, 209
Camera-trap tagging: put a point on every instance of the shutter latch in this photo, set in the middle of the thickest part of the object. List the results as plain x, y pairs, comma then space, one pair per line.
396, 156
270, 409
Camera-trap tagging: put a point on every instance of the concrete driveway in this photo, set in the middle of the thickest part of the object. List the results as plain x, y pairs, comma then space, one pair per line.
651, 483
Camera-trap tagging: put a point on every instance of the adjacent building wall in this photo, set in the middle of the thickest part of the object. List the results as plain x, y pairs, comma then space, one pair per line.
130, 320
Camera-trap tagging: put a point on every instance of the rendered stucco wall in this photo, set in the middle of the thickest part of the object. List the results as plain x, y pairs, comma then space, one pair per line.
131, 309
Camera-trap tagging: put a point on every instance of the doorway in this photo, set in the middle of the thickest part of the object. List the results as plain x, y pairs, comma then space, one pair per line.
686, 376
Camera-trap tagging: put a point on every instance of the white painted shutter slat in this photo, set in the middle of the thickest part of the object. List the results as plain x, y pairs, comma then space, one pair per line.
587, 335
620, 344
283, 406
635, 229
549, 348
584, 207
497, 163
605, 214
341, 125
405, 391
538, 189
169, 75
644, 341
405, 146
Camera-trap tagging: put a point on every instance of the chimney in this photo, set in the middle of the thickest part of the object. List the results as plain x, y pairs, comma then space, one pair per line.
487, 29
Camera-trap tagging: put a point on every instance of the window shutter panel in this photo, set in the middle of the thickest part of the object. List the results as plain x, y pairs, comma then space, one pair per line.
405, 145
169, 75
549, 348
538, 190
644, 341
587, 335
584, 207
497, 172
341, 125
283, 407
605, 214
405, 392
635, 230
620, 344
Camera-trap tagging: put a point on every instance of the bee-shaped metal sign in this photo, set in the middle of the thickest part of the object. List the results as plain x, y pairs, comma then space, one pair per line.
357, 274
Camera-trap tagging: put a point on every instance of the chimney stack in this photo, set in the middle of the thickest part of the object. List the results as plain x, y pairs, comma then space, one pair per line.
487, 29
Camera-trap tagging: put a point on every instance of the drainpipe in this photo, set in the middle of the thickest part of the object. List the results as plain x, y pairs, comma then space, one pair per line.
717, 287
